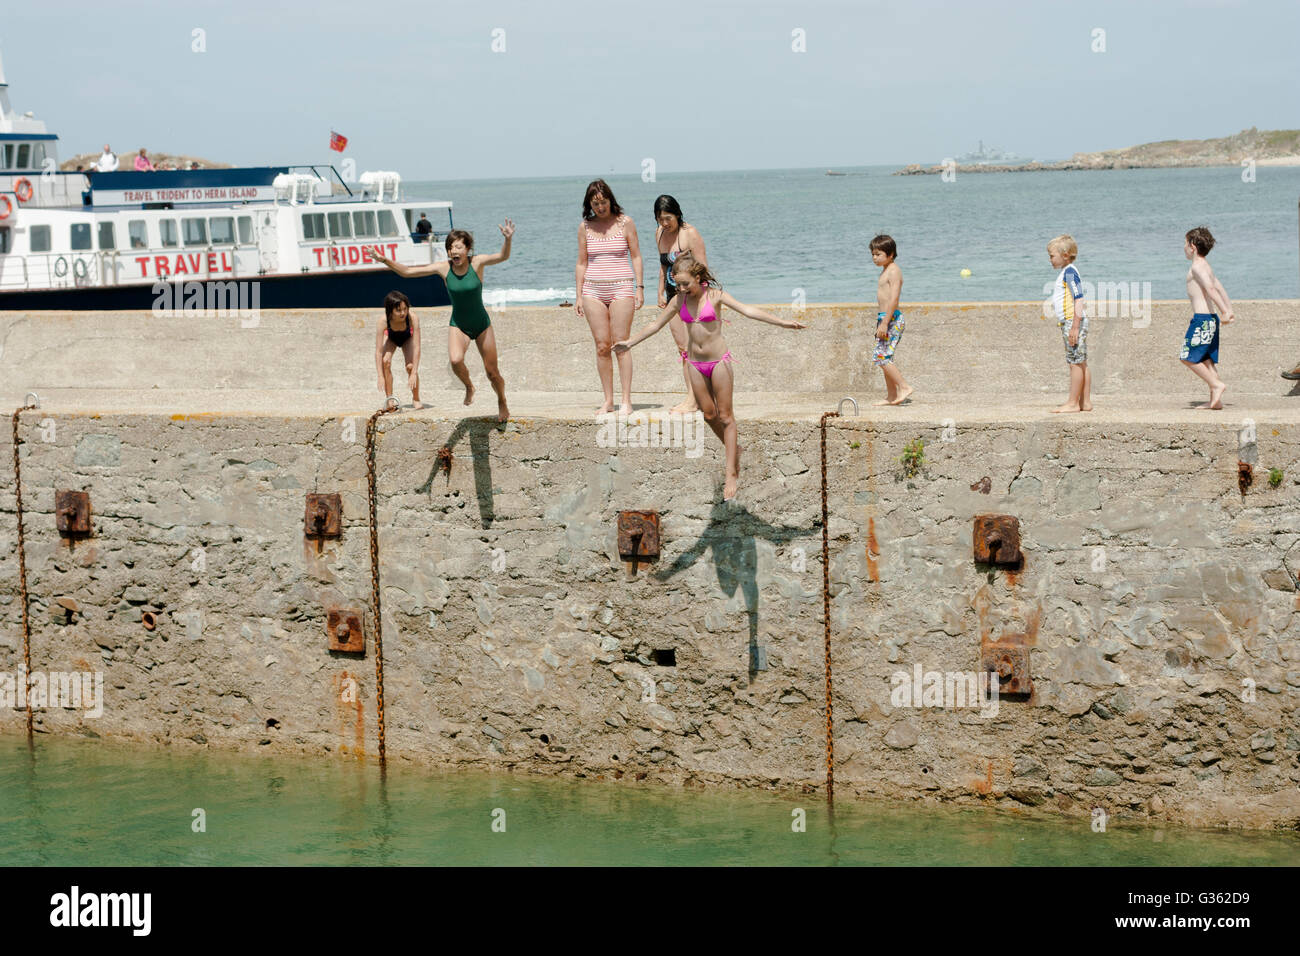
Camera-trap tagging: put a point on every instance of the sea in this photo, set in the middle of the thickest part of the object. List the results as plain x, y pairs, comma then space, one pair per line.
788, 235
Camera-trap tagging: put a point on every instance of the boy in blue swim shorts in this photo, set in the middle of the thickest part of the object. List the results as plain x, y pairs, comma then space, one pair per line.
889, 320
1200, 351
1067, 303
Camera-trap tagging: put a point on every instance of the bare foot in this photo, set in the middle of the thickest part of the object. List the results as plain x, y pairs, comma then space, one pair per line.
469, 394
729, 488
902, 396
1065, 408
390, 402
1086, 408
625, 409
1216, 396
884, 401
503, 413
418, 405
606, 408
684, 408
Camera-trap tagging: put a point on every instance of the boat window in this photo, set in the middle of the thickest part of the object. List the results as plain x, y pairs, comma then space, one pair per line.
340, 225
223, 231
139, 235
38, 156
387, 224
4, 240
80, 236
40, 238
9, 155
107, 240
364, 223
195, 232
313, 225
245, 230
24, 151
170, 237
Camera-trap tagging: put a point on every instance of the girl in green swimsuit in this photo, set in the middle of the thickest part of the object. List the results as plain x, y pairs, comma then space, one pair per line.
463, 273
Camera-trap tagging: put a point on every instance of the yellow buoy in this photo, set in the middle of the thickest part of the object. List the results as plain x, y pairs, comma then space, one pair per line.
965, 273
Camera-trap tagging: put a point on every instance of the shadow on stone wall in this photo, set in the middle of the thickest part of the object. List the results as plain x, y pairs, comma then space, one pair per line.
479, 430
731, 535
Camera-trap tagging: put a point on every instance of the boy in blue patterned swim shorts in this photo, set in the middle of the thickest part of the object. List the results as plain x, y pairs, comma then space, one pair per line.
1067, 303
889, 321
1200, 351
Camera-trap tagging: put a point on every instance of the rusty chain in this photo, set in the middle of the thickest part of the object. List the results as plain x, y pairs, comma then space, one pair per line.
22, 567
371, 428
826, 615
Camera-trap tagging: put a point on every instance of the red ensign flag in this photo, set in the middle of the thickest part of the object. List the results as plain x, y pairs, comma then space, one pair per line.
338, 142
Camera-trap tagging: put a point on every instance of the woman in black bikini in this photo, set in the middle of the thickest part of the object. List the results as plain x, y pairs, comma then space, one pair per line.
399, 330
676, 238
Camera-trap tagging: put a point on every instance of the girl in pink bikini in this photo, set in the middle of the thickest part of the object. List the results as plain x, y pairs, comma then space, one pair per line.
610, 285
697, 302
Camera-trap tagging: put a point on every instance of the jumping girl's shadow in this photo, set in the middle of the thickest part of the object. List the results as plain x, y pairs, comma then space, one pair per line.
730, 534
479, 430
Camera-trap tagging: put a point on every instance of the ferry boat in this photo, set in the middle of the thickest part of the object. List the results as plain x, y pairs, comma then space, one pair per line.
299, 236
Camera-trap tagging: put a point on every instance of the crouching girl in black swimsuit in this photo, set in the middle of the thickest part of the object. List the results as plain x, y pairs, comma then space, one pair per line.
400, 329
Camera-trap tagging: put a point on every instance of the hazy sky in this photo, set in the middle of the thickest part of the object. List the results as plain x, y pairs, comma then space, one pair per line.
586, 87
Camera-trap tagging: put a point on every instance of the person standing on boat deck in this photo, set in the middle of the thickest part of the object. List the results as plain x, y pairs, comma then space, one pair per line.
676, 237
423, 228
400, 330
107, 163
610, 285
470, 322
142, 164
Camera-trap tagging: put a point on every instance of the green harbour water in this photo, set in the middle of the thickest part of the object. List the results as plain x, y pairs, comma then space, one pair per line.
69, 802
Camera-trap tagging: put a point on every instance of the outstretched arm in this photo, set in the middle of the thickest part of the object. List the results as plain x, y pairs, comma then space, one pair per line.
669, 311
753, 312
491, 259
409, 272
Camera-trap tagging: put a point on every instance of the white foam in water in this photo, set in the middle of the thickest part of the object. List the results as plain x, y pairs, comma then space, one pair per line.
499, 297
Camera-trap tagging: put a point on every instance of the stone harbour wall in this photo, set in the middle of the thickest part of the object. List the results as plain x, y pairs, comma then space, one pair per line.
1157, 601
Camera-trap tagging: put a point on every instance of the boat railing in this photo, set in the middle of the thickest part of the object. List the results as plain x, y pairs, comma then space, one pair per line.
48, 190
98, 269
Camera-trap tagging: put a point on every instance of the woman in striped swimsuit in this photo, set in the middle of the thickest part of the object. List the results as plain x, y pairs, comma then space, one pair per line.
610, 288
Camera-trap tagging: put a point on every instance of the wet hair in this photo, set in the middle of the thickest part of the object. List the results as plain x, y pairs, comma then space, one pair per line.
1065, 245
598, 187
393, 300
463, 236
667, 204
698, 270
886, 245
1200, 238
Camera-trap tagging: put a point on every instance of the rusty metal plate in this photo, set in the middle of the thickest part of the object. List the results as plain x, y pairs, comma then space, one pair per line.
324, 517
638, 534
346, 630
1009, 665
997, 540
72, 513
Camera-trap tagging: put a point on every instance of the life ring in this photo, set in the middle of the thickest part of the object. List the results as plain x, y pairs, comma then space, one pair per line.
8, 208
23, 189
79, 268
60, 262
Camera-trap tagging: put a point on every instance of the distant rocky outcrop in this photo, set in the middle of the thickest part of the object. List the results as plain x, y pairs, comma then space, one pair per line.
1266, 147
126, 159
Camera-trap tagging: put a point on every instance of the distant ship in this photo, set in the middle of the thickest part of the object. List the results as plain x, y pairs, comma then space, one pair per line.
988, 156
831, 172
